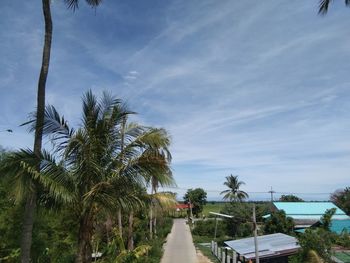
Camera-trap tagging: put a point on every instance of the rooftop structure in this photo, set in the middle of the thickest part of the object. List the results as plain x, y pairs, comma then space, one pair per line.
306, 214
270, 246
309, 210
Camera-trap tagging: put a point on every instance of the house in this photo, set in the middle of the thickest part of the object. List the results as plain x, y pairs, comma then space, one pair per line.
307, 214
274, 248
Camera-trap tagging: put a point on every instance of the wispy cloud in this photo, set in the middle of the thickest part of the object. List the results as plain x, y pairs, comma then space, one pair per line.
258, 89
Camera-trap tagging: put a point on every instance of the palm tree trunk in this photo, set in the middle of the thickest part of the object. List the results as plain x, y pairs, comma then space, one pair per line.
27, 229
155, 216
120, 224
26, 240
155, 225
151, 216
84, 240
130, 232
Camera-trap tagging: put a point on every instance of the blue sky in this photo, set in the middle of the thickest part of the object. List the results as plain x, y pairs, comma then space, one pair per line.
258, 89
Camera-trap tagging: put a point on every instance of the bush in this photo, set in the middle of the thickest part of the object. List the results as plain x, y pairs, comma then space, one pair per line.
319, 241
207, 228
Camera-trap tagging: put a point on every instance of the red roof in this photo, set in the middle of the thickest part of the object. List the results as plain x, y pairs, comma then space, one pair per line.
182, 206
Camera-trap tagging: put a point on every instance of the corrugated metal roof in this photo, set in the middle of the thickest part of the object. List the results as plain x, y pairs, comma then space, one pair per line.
338, 226
308, 210
269, 245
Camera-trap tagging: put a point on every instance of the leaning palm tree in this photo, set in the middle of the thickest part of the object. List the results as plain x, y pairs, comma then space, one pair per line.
31, 198
234, 193
324, 4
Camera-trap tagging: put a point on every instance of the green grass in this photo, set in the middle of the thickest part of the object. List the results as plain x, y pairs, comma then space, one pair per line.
207, 252
213, 207
343, 256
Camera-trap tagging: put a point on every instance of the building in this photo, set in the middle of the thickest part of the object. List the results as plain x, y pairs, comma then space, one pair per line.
307, 214
274, 248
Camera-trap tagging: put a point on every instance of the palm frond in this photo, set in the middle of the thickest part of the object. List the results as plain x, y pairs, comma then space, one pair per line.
323, 6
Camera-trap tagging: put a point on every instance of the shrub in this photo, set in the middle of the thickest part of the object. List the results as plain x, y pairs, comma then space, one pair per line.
207, 228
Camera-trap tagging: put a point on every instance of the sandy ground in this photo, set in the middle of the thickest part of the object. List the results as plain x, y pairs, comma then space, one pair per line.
201, 258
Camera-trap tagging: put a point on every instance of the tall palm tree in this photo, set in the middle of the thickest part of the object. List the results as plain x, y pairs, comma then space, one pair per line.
324, 4
234, 193
30, 204
98, 169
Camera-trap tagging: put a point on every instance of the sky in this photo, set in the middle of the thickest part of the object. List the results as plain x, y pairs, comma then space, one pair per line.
258, 89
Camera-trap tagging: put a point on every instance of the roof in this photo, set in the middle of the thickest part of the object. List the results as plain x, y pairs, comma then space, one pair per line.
182, 206
338, 226
273, 245
309, 210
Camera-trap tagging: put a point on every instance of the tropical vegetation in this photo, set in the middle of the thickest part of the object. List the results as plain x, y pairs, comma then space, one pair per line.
95, 171
197, 198
234, 193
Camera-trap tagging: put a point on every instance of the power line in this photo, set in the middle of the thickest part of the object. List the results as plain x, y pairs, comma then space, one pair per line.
257, 192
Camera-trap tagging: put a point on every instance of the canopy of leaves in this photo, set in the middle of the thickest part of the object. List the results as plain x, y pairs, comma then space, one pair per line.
233, 193
278, 222
198, 198
290, 198
326, 219
342, 199
317, 240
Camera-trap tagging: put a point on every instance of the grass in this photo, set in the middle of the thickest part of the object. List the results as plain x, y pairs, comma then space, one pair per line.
213, 207
207, 252
343, 256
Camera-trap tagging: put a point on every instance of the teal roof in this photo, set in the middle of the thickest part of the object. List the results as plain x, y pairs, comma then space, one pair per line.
309, 210
338, 226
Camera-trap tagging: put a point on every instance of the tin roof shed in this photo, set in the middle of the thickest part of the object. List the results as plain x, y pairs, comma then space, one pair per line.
270, 246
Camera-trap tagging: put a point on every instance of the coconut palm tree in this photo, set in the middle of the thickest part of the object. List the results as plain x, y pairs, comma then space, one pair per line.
101, 166
30, 204
324, 4
234, 193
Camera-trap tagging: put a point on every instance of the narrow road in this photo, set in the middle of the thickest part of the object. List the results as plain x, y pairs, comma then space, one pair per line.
179, 247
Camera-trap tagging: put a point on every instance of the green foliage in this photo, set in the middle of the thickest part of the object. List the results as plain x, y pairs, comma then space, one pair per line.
342, 199
213, 207
319, 241
198, 198
207, 228
290, 198
233, 193
343, 239
278, 222
326, 219
241, 223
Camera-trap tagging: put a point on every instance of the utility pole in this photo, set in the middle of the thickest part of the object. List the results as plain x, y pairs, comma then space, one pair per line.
271, 203
255, 236
191, 215
271, 192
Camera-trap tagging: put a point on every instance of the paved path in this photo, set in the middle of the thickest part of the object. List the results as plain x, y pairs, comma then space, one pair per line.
179, 247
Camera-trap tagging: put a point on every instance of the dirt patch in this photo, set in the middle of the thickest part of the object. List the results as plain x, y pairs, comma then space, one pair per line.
201, 258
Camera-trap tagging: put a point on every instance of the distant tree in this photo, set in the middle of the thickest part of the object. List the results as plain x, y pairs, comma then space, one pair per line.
290, 198
324, 4
198, 198
278, 222
342, 199
234, 194
326, 219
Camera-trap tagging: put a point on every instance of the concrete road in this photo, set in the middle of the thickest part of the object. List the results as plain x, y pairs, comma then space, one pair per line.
179, 247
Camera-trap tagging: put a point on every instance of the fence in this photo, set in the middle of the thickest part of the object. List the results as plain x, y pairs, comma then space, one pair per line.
224, 254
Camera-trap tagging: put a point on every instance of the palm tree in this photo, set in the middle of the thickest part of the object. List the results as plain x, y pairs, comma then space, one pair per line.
30, 205
99, 170
324, 4
233, 193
